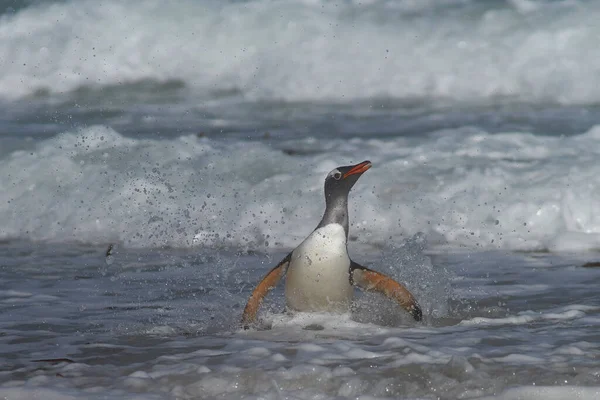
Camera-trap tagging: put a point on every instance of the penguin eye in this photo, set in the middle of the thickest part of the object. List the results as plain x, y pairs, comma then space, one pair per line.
337, 175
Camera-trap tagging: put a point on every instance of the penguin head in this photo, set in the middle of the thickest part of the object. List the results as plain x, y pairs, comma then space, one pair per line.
339, 181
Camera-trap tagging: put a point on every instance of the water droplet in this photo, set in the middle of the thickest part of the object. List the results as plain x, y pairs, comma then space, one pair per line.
109, 258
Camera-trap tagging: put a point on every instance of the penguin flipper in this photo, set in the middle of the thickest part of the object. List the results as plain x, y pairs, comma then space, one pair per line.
373, 281
262, 289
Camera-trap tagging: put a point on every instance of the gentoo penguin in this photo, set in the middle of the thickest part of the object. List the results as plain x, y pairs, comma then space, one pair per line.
320, 274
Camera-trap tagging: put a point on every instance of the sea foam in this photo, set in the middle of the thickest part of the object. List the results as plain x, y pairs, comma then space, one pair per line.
309, 50
463, 188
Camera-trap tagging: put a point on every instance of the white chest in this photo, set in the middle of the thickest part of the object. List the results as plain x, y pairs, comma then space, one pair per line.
317, 278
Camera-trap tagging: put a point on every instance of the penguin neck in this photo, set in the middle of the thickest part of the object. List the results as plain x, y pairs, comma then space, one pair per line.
336, 212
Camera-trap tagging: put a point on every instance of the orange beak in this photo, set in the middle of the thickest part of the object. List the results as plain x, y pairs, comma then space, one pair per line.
358, 168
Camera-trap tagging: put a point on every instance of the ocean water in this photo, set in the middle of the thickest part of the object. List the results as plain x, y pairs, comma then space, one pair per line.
194, 137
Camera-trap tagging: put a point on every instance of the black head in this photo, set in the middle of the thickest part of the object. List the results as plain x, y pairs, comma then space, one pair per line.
339, 181
337, 186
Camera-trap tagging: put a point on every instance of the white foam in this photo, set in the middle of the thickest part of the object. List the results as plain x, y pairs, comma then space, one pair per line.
549, 393
416, 358
309, 326
34, 393
526, 317
414, 364
28, 393
569, 350
509, 191
519, 359
347, 50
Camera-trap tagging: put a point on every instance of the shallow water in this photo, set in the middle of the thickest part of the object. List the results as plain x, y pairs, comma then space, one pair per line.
195, 137
163, 324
